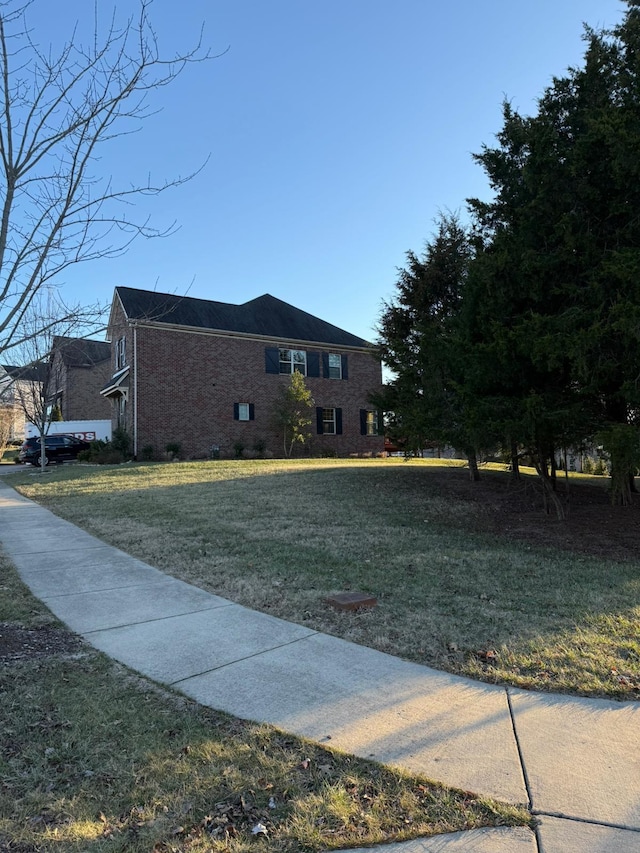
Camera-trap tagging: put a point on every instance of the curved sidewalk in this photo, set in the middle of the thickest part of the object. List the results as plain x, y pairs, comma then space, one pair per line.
574, 762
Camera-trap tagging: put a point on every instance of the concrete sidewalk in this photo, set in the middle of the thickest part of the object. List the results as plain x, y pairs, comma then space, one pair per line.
574, 762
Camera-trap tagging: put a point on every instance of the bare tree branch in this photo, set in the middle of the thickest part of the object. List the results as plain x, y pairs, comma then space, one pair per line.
56, 112
47, 321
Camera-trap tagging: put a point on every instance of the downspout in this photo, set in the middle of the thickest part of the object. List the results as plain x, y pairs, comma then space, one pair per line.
135, 392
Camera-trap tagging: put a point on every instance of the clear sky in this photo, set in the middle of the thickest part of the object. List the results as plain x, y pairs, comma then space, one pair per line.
336, 130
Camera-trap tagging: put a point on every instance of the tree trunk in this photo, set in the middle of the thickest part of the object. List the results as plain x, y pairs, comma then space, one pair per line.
549, 495
474, 474
553, 475
515, 460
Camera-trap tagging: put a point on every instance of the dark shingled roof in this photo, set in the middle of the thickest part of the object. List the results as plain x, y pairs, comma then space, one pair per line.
82, 352
31, 373
265, 316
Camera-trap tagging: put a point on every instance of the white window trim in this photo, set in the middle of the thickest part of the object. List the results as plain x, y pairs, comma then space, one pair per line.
243, 409
293, 365
329, 421
338, 357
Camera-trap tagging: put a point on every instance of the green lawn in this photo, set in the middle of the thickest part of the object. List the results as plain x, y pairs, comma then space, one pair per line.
280, 536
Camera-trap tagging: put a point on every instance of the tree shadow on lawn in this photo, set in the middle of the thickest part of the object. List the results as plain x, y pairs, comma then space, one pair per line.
472, 578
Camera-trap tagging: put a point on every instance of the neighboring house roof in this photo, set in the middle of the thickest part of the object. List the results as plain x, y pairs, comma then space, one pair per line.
264, 316
81, 352
33, 373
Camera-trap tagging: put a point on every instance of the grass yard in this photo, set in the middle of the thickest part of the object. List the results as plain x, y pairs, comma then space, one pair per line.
94, 759
470, 578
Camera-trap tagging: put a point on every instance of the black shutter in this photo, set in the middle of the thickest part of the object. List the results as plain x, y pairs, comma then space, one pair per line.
325, 365
252, 412
272, 360
236, 411
363, 421
338, 421
313, 364
380, 422
345, 367
319, 425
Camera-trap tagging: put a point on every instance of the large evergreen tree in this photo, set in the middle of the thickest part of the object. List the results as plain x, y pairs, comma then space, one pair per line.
556, 297
419, 341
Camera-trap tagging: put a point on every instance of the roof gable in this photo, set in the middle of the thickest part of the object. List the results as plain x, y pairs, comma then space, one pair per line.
264, 316
81, 352
30, 373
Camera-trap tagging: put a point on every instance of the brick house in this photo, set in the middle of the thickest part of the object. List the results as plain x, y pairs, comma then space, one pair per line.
80, 368
16, 383
208, 375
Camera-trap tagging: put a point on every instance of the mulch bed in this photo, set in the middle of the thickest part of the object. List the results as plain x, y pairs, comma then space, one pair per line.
18, 643
514, 509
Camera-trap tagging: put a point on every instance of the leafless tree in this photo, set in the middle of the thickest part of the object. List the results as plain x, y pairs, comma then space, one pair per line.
39, 378
57, 112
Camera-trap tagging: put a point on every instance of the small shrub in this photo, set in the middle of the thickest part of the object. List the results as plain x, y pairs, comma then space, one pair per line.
148, 452
174, 449
109, 456
121, 442
101, 453
260, 446
328, 453
238, 447
247, 453
600, 469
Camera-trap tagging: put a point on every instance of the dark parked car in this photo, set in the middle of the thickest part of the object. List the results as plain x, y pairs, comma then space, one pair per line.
57, 448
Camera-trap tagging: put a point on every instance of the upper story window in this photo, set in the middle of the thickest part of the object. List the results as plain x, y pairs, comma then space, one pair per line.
293, 360
121, 353
243, 411
335, 366
372, 423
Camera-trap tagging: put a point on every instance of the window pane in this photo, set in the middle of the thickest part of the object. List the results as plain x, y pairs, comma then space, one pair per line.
329, 421
243, 411
335, 366
285, 361
293, 359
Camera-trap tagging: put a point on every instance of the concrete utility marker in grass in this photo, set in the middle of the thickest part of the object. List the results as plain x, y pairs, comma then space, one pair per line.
573, 762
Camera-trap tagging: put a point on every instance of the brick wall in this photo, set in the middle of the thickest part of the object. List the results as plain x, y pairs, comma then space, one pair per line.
81, 399
187, 385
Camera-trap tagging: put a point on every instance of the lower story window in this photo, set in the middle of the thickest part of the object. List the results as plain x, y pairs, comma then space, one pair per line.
243, 411
329, 421
372, 423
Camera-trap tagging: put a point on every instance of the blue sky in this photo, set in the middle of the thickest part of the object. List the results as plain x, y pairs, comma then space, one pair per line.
335, 131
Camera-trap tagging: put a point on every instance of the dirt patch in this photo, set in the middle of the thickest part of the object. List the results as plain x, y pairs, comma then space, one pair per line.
18, 643
514, 509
